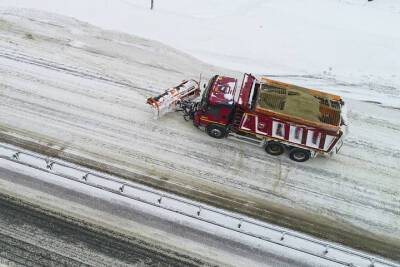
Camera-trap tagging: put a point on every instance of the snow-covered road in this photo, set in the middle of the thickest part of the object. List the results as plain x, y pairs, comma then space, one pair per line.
232, 237
80, 90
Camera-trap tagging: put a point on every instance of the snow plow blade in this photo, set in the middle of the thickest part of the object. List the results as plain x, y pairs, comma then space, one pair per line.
170, 99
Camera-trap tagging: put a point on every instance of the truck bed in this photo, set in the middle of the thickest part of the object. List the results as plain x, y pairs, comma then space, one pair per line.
299, 104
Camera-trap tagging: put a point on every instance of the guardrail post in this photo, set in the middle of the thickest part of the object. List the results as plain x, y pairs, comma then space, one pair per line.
49, 164
16, 156
121, 189
326, 250
85, 177
372, 262
283, 236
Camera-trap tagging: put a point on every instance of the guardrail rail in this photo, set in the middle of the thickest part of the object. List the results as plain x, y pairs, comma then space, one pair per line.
228, 220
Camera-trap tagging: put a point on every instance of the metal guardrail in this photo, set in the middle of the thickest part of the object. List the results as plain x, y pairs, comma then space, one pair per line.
263, 231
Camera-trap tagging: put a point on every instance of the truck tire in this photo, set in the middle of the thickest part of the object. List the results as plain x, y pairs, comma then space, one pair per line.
216, 131
274, 148
299, 155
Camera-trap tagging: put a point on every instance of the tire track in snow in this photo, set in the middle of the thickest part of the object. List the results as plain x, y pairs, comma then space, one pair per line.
28, 240
189, 154
196, 156
70, 70
316, 185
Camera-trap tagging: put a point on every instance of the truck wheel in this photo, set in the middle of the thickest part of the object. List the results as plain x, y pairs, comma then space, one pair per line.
274, 148
216, 131
299, 155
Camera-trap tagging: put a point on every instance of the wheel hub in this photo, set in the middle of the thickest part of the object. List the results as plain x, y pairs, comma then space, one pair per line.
216, 132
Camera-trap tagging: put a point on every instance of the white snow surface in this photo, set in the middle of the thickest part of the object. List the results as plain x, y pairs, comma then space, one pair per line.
350, 40
78, 88
203, 249
298, 256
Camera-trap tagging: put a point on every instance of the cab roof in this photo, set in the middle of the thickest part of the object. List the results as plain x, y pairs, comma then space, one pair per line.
222, 91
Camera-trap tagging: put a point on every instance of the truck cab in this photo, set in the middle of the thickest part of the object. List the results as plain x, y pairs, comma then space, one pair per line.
217, 105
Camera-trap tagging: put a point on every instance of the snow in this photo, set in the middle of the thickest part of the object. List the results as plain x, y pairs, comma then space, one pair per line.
5, 152
102, 182
33, 161
141, 195
77, 174
348, 40
220, 223
82, 90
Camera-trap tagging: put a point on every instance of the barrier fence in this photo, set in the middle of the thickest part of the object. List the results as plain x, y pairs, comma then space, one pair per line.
218, 217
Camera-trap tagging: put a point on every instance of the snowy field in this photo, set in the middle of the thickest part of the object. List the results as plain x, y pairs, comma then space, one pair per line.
354, 41
77, 88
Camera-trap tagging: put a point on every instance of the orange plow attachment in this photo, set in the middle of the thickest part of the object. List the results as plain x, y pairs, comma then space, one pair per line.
170, 99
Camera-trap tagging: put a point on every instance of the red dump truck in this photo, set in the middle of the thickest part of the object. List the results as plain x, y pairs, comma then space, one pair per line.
275, 115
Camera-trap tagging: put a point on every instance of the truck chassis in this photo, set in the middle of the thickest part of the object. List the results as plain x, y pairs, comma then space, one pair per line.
221, 114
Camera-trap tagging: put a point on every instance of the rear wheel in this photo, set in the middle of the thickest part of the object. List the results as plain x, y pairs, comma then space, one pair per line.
274, 148
299, 155
216, 131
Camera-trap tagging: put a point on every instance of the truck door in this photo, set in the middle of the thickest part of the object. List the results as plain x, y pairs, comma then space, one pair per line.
220, 114
246, 91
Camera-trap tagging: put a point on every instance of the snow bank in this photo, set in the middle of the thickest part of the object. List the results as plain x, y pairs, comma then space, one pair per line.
350, 40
